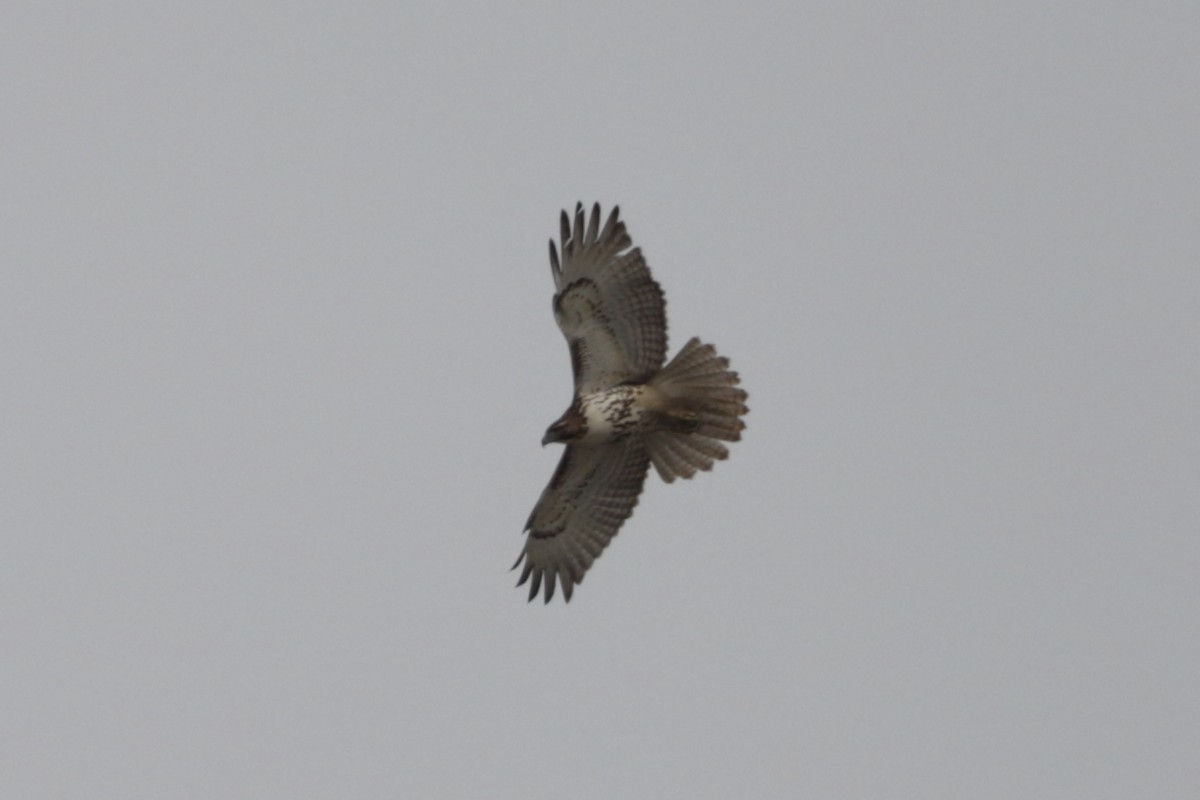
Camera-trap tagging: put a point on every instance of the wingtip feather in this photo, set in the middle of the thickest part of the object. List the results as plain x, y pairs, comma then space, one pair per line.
593, 226
577, 238
609, 224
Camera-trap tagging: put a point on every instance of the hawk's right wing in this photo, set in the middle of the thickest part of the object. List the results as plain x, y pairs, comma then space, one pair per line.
608, 307
593, 491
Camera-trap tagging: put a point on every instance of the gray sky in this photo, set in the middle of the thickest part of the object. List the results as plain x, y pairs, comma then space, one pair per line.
278, 354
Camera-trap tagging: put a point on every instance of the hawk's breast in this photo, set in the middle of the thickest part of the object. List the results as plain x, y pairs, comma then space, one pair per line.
618, 412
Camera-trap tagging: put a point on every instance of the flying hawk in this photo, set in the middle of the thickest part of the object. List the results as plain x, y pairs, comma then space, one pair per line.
629, 410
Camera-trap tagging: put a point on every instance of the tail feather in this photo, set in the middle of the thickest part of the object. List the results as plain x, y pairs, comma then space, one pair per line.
704, 405
692, 357
708, 447
725, 427
666, 461
696, 372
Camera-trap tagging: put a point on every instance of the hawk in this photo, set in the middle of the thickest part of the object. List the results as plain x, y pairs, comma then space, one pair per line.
629, 410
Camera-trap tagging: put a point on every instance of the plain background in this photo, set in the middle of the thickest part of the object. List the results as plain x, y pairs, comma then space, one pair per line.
278, 352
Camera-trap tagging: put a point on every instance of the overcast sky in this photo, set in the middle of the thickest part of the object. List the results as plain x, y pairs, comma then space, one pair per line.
278, 355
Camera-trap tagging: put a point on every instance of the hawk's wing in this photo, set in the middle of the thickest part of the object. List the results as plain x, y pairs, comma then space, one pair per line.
606, 303
592, 492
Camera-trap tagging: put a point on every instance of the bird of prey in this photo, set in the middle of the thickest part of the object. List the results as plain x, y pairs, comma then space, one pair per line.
629, 410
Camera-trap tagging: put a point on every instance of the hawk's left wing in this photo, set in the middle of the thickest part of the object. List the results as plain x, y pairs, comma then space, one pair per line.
592, 493
606, 304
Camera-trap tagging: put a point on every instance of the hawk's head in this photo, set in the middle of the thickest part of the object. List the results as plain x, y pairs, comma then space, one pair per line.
567, 428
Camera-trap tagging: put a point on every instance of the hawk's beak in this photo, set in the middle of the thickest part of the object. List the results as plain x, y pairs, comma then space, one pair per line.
548, 438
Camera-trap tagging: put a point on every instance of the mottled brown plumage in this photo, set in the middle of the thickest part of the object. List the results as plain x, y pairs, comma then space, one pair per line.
629, 411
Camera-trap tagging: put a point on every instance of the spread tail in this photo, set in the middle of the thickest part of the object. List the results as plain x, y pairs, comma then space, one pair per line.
704, 408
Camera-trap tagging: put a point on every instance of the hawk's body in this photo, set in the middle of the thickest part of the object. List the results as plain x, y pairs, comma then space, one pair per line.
616, 413
629, 410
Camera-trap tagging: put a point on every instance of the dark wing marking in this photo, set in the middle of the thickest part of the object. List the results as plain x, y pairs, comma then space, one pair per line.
608, 307
593, 491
